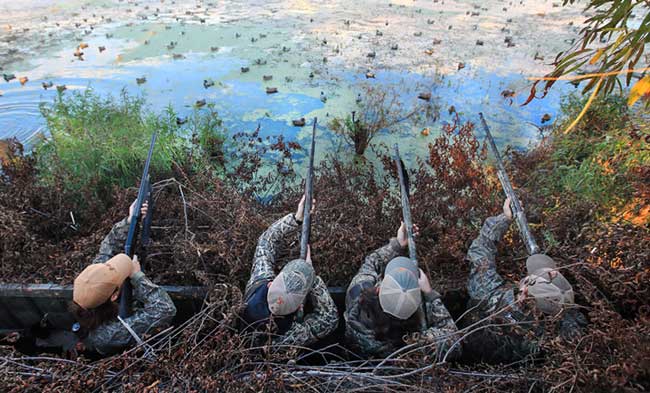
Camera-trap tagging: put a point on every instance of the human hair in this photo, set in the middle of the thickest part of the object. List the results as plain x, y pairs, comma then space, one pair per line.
92, 318
386, 326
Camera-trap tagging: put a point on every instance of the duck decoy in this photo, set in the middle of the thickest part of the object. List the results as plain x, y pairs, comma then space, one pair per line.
428, 52
538, 56
83, 45
370, 75
214, 49
245, 69
8, 77
479, 42
208, 83
394, 47
267, 77
299, 122
437, 41
546, 118
425, 132
177, 56
47, 85
200, 103
140, 81
323, 97
101, 49
271, 90
61, 88
181, 121
23, 80
461, 65
418, 34
359, 99
425, 96
372, 54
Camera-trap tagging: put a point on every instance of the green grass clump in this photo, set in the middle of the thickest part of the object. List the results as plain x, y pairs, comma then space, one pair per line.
595, 161
98, 143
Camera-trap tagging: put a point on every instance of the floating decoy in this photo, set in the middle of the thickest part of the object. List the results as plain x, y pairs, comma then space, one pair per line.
324, 59
181, 121
452, 109
83, 45
372, 54
237, 35
271, 90
428, 51
346, 22
285, 49
177, 56
141, 80
253, 39
202, 20
214, 49
359, 99
311, 75
430, 21
378, 33
79, 54
479, 42
425, 96
538, 56
245, 69
208, 83
260, 62
61, 88
299, 122
437, 41
146, 42
267, 77
323, 97
262, 35
394, 47
507, 39
510, 44
8, 77
288, 79
425, 132
418, 34
47, 85
370, 75
546, 118
101, 49
23, 80
199, 103
109, 35
461, 65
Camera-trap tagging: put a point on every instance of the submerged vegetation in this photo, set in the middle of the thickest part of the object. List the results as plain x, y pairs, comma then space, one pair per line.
212, 204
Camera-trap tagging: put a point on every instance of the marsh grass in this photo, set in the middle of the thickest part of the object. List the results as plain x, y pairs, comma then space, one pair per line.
98, 143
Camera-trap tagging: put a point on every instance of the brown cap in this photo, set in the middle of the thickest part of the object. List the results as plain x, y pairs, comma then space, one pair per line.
96, 283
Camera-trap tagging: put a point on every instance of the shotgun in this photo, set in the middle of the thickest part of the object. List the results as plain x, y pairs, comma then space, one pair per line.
309, 194
517, 210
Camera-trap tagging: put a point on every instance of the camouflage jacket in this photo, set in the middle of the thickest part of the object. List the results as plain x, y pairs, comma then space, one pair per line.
441, 328
153, 308
493, 299
323, 317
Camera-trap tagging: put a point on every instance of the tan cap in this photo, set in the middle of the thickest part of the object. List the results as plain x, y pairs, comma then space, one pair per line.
96, 283
399, 292
550, 288
289, 289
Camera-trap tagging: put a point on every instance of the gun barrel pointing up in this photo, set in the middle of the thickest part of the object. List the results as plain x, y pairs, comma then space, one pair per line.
309, 194
518, 211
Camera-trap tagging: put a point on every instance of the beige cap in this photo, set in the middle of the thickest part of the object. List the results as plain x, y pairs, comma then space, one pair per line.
399, 292
288, 290
96, 283
549, 287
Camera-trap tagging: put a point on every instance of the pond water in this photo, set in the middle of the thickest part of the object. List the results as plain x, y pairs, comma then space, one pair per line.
307, 48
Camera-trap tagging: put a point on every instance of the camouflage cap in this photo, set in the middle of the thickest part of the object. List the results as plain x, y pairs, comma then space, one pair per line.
288, 290
399, 292
550, 288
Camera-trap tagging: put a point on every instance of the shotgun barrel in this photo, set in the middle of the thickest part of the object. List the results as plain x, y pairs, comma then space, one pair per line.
517, 210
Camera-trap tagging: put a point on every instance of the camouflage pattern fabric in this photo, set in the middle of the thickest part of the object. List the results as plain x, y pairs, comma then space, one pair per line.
153, 308
323, 318
493, 300
359, 331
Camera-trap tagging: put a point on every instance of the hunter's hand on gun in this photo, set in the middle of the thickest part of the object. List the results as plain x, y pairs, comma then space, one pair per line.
402, 235
301, 209
423, 282
136, 266
143, 211
507, 210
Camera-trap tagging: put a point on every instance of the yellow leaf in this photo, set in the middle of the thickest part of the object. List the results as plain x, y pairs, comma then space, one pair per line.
640, 89
599, 53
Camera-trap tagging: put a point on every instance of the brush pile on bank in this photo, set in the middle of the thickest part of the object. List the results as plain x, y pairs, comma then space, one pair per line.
206, 227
